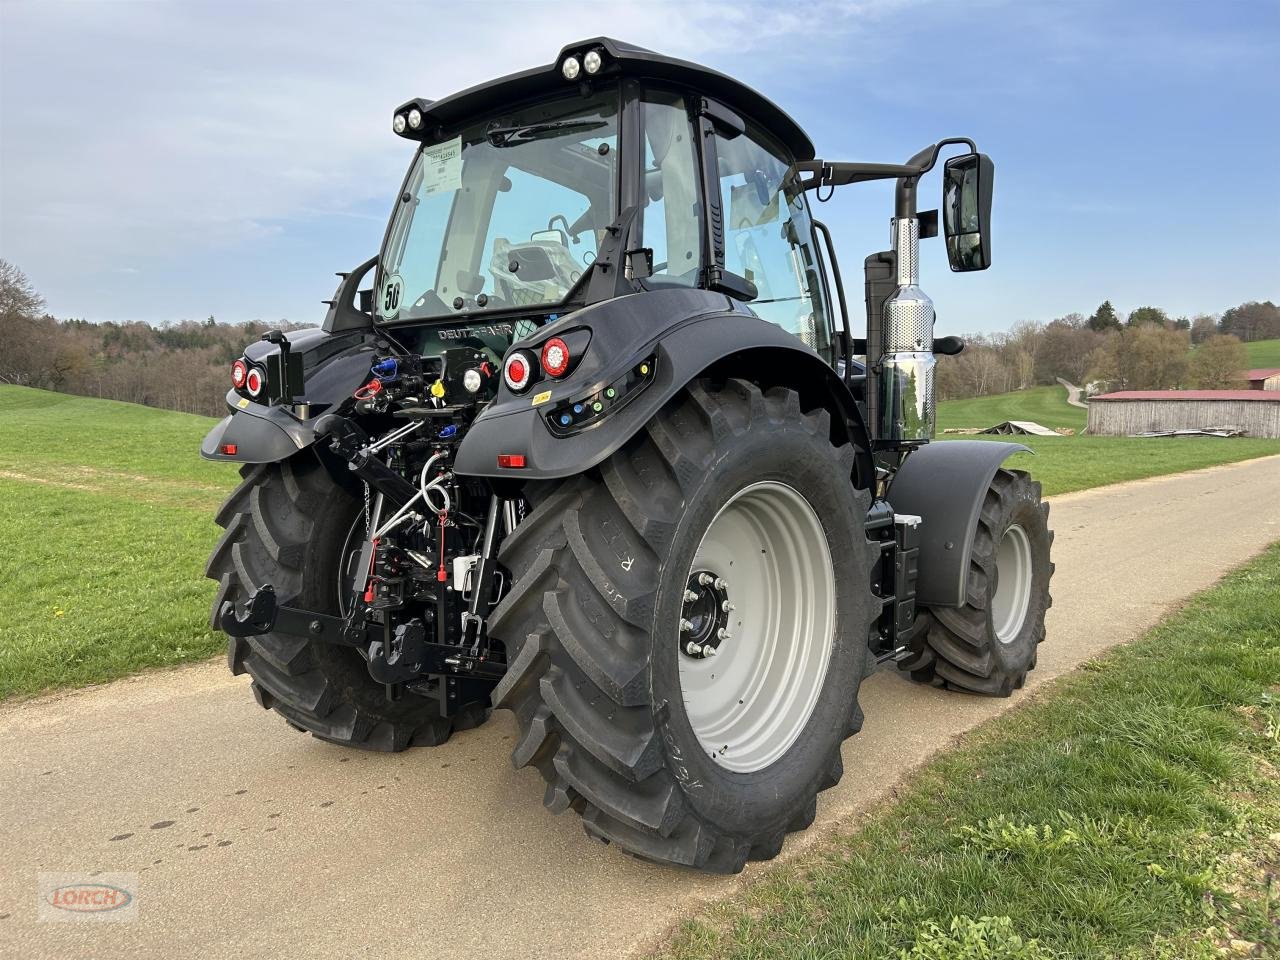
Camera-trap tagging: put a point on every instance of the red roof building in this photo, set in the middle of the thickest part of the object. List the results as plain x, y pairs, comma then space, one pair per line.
1263, 378
1130, 412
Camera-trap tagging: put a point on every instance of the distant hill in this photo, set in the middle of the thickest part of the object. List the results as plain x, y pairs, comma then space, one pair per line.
1263, 353
1045, 405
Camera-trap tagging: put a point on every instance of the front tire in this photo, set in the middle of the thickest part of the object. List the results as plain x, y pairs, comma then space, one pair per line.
289, 524
613, 709
989, 645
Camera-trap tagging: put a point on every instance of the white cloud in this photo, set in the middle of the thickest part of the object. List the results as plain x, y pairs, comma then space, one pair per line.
152, 130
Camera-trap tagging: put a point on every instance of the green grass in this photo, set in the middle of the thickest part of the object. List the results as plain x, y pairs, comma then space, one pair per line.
1263, 353
1047, 406
1069, 463
1132, 811
106, 516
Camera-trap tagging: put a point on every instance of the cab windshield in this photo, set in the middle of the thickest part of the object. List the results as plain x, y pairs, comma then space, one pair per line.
506, 212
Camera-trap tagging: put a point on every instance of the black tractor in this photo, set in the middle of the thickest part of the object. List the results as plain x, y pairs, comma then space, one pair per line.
598, 446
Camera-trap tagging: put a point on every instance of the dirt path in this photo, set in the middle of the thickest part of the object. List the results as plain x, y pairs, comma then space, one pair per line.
1073, 394
253, 841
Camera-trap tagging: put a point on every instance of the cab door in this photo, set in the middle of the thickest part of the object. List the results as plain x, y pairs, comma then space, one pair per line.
769, 237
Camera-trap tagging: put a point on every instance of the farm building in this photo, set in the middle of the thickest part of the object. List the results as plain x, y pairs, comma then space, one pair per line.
1265, 379
1256, 412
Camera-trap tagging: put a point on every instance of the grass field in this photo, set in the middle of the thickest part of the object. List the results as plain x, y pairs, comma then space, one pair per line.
1263, 353
1047, 406
1133, 812
1066, 464
106, 516
106, 519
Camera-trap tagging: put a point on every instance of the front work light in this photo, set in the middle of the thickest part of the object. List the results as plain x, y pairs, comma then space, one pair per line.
570, 68
415, 118
398, 123
592, 62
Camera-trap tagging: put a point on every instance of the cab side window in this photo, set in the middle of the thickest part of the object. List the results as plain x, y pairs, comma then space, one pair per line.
769, 238
672, 215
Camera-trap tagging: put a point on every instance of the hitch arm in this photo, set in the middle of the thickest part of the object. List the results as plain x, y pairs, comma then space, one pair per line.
263, 614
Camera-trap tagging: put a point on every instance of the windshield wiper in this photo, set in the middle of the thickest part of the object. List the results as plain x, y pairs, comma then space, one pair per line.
525, 132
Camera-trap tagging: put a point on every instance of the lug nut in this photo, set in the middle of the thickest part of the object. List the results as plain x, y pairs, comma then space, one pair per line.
693, 649
686, 626
709, 651
728, 607
721, 583
690, 596
724, 634
706, 579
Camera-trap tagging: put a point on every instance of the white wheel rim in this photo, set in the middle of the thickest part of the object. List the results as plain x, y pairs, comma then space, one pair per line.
1013, 584
749, 702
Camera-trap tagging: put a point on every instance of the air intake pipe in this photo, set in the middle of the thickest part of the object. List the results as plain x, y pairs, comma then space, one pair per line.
907, 405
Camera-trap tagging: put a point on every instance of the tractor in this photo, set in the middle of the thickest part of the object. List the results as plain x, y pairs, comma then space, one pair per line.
597, 445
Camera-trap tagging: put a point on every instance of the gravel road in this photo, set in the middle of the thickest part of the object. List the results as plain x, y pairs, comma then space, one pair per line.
252, 841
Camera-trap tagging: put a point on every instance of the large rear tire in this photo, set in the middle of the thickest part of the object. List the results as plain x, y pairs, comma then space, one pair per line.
289, 524
733, 511
989, 645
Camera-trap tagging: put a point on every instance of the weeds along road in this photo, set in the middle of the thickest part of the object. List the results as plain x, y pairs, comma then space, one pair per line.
250, 840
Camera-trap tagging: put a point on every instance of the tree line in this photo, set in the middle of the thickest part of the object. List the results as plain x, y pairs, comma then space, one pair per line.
185, 365
177, 366
1146, 350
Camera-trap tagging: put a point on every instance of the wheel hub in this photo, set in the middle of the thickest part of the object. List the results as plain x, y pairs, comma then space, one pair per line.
704, 623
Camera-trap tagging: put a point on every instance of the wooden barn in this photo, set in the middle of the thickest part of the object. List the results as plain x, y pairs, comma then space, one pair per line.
1265, 379
1256, 412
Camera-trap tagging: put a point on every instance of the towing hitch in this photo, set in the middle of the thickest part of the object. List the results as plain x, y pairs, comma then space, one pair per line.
398, 655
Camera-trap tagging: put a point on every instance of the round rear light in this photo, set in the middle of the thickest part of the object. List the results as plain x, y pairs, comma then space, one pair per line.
253, 382
518, 370
239, 370
555, 357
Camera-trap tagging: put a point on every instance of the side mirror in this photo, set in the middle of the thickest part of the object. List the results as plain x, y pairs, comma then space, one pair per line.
966, 210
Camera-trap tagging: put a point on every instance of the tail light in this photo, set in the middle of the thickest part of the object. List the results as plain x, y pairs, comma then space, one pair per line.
518, 370
555, 357
239, 370
253, 382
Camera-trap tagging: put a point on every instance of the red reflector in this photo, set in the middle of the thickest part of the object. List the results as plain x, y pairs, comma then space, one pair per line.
239, 370
511, 461
228, 449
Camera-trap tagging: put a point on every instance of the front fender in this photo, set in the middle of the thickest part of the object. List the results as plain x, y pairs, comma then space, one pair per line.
945, 484
685, 335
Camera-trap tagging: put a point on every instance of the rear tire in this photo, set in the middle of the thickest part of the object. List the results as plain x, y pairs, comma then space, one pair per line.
989, 645
598, 680
287, 524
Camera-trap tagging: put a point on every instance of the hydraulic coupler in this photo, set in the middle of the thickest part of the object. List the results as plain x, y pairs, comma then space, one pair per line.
907, 408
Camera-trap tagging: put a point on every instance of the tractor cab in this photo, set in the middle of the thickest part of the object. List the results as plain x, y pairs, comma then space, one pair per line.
614, 171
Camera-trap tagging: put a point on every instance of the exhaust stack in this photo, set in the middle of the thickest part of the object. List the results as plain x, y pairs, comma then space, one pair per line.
907, 406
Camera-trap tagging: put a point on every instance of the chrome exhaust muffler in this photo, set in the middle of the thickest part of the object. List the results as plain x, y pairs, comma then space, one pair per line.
907, 406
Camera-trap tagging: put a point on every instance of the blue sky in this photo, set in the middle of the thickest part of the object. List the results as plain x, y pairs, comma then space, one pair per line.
161, 161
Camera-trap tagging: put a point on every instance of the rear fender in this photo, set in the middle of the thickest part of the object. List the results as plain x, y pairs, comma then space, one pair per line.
945, 484
334, 365
688, 334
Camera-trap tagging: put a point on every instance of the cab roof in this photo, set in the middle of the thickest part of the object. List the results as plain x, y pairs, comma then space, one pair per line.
619, 59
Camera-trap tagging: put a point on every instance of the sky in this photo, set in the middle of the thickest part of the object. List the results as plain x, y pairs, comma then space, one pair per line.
163, 161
